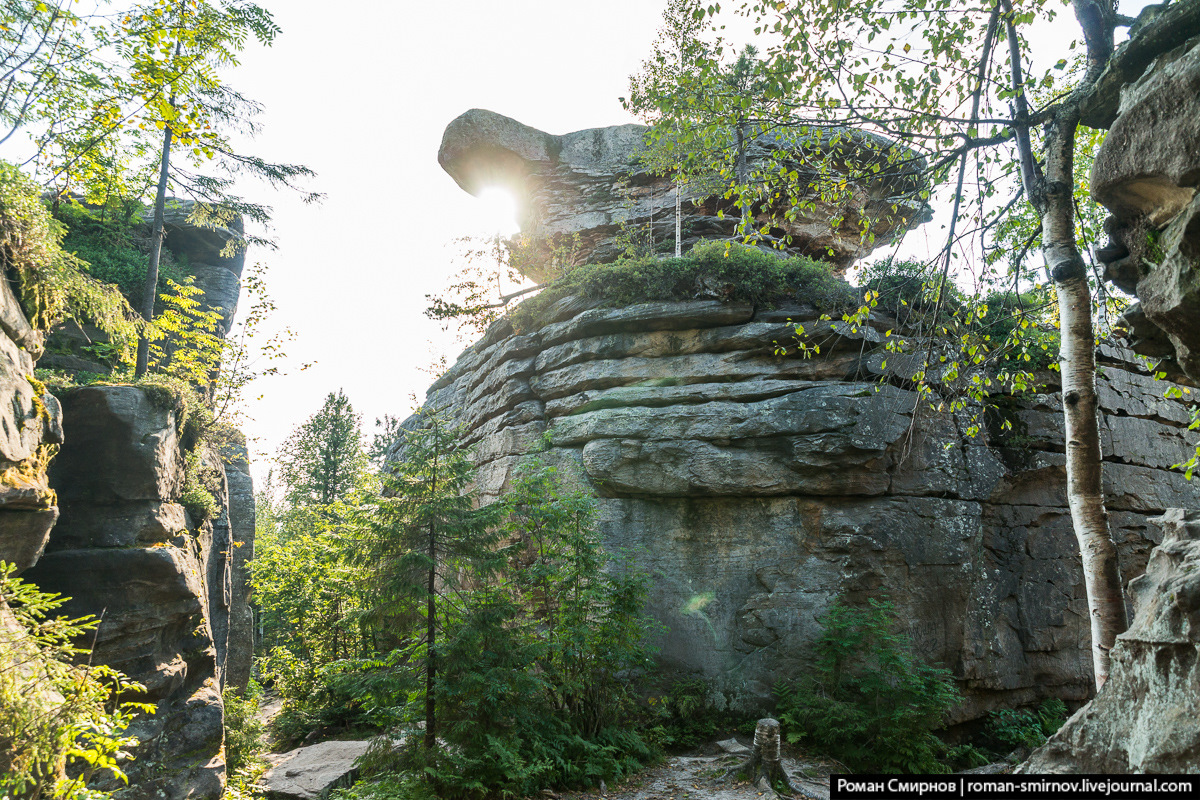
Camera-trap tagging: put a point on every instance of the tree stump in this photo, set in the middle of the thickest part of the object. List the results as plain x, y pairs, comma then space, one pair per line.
764, 768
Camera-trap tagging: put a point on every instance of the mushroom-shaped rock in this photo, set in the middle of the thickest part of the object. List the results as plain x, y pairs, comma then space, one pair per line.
577, 190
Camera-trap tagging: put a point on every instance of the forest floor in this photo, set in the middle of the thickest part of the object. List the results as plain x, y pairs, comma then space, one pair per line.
698, 776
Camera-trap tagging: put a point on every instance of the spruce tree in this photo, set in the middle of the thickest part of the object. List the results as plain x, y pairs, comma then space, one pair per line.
422, 539
324, 459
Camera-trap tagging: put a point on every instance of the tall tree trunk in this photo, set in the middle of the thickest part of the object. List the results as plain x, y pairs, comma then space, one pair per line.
430, 625
150, 292
430, 658
1077, 359
1050, 188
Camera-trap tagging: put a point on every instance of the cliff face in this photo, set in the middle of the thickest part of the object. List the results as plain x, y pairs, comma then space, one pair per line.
30, 431
161, 580
170, 587
756, 488
1147, 173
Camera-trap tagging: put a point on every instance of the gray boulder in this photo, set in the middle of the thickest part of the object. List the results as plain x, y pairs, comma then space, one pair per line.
589, 183
311, 773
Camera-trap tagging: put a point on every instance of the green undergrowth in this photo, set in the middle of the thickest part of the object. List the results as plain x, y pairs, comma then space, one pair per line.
63, 721
51, 284
106, 241
869, 702
687, 713
711, 270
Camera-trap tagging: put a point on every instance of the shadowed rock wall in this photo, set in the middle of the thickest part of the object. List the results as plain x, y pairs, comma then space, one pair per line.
1145, 719
162, 582
757, 488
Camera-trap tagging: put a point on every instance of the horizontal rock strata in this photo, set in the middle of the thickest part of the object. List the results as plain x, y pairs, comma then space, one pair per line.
756, 488
169, 589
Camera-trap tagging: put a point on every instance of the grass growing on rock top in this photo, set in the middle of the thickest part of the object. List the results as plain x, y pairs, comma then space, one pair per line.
711, 270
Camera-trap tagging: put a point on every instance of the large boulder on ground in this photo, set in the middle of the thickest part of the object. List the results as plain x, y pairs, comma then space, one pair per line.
311, 773
1147, 716
591, 182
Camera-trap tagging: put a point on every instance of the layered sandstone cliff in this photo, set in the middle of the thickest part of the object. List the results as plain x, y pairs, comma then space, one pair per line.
757, 488
169, 585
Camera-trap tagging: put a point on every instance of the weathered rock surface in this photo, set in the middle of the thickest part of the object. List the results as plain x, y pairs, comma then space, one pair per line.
1147, 174
30, 430
1146, 718
162, 583
311, 773
589, 182
757, 488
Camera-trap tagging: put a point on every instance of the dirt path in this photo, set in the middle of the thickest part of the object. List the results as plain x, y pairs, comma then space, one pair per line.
698, 777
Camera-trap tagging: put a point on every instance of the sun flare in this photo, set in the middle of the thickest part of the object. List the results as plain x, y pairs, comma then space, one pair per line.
496, 211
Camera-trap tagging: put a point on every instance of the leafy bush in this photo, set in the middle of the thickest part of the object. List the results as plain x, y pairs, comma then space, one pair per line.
201, 483
1021, 327
684, 716
1012, 728
243, 730
725, 271
60, 724
50, 283
870, 703
908, 283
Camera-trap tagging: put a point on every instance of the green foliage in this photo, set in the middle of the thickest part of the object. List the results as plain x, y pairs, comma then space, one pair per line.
310, 600
324, 459
104, 240
904, 285
243, 730
684, 716
61, 725
869, 703
1026, 727
50, 283
717, 270
201, 484
535, 654
184, 339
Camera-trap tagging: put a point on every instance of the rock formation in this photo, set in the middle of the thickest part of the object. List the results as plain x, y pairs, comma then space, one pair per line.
757, 488
590, 182
160, 579
311, 773
1144, 719
171, 589
1147, 173
30, 432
